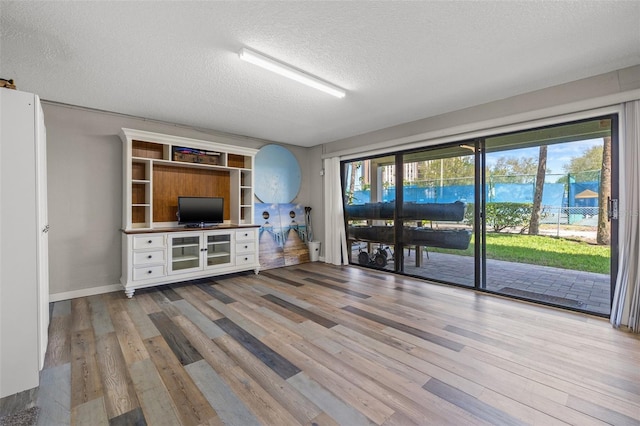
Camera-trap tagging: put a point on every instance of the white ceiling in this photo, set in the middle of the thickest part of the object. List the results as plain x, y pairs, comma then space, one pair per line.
399, 61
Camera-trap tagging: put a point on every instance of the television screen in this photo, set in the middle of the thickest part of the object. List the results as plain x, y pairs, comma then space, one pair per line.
200, 210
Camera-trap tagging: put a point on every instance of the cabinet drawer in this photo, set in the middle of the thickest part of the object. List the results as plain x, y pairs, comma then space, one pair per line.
247, 235
148, 241
146, 257
247, 259
148, 272
246, 247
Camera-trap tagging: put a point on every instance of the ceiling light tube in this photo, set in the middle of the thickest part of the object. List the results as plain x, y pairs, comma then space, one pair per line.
292, 73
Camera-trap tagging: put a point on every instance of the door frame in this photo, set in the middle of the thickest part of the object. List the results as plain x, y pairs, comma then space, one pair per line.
478, 137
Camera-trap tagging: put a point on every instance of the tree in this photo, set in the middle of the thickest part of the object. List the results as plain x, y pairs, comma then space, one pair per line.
603, 233
586, 167
513, 169
534, 223
461, 169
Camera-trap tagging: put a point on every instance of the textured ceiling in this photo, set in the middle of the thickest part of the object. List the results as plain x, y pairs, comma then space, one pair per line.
399, 61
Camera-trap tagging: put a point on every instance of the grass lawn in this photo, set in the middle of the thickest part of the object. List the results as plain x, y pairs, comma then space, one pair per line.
543, 250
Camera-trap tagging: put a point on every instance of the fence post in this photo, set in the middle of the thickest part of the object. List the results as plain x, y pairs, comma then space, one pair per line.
558, 224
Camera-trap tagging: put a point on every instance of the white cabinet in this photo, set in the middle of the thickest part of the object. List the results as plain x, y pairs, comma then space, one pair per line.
173, 255
157, 170
24, 269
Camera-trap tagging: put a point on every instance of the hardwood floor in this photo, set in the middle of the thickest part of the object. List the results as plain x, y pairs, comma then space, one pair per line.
316, 344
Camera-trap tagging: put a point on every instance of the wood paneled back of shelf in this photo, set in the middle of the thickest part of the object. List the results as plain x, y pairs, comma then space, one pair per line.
138, 171
235, 160
170, 182
138, 194
147, 150
138, 214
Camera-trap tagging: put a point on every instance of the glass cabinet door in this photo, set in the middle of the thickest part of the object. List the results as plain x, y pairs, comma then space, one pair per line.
218, 249
185, 252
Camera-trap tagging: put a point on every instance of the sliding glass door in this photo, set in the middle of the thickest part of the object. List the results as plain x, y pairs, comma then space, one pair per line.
413, 213
526, 214
548, 231
437, 212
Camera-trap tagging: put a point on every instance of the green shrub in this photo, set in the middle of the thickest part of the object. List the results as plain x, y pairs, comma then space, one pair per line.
500, 216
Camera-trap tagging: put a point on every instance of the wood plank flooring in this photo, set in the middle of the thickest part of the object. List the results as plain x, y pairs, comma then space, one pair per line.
315, 344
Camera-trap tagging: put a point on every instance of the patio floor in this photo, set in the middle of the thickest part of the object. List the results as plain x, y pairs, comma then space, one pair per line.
575, 289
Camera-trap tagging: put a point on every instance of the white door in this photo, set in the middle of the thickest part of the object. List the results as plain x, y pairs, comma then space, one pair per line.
43, 231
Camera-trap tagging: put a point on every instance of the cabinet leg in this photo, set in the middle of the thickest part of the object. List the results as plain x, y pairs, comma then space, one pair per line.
129, 292
256, 271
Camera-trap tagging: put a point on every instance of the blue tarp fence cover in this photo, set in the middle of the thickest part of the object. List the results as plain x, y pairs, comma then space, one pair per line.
553, 194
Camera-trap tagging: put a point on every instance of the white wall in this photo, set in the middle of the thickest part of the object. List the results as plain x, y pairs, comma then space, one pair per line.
84, 161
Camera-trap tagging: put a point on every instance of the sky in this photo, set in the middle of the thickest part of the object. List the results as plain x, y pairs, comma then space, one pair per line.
558, 155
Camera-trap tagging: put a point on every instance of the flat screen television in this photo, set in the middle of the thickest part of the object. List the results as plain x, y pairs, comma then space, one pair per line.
200, 211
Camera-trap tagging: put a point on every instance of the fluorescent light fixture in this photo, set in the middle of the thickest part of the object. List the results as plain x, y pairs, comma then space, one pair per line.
292, 73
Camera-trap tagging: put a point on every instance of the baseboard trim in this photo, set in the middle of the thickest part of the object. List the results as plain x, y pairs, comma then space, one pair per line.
56, 297
66, 295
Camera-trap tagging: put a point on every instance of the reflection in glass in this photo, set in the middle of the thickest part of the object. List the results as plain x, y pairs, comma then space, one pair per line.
369, 191
437, 212
434, 220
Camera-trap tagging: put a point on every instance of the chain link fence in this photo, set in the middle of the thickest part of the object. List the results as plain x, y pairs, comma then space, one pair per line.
570, 221
583, 216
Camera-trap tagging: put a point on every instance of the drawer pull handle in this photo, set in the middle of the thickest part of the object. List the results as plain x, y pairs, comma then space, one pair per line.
150, 241
149, 272
149, 257
246, 258
246, 246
